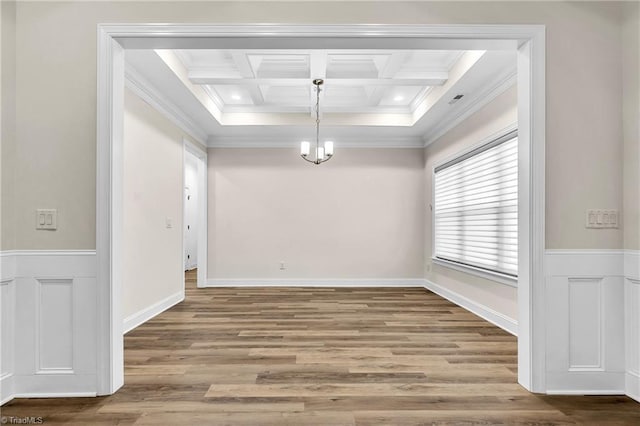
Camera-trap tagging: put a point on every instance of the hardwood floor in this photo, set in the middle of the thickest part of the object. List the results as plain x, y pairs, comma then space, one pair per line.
322, 356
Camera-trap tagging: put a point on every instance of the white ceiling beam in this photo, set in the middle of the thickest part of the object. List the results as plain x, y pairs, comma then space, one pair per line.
432, 79
391, 68
246, 71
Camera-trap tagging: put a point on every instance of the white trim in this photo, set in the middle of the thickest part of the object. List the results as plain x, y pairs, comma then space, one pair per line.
478, 272
6, 253
586, 383
532, 349
144, 315
586, 392
307, 282
496, 318
56, 395
632, 385
6, 388
566, 263
451, 121
632, 264
109, 227
141, 87
283, 142
528, 39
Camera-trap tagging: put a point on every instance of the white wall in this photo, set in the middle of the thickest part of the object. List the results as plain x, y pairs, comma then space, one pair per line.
492, 118
8, 120
153, 176
358, 216
631, 120
55, 137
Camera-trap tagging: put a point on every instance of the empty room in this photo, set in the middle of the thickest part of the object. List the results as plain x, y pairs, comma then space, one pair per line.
328, 213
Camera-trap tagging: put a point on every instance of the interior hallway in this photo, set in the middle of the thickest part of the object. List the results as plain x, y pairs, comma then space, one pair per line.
325, 356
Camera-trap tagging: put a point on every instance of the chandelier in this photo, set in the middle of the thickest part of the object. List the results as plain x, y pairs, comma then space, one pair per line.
325, 152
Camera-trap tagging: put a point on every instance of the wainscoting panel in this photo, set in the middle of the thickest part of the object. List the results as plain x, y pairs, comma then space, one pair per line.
53, 341
55, 328
585, 322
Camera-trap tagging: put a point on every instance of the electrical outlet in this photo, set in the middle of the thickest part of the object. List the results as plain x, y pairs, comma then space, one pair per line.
282, 266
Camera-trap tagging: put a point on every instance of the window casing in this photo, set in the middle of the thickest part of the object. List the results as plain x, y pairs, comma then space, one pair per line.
475, 208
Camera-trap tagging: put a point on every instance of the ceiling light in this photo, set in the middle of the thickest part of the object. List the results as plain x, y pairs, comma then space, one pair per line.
325, 152
235, 97
398, 98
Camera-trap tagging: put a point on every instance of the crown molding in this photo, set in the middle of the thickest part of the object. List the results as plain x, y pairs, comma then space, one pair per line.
501, 85
286, 142
144, 89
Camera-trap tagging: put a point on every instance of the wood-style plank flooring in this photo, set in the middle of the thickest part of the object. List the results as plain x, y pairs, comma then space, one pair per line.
322, 356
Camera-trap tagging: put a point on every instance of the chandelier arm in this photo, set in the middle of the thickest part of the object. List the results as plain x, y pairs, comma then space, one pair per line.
304, 157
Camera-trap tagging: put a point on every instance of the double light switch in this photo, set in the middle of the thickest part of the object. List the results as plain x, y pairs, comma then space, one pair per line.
47, 219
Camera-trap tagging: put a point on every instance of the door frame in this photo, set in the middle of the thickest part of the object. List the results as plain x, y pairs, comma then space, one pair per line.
529, 40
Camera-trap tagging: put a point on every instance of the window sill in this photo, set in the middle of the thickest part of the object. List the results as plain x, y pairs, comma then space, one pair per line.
488, 275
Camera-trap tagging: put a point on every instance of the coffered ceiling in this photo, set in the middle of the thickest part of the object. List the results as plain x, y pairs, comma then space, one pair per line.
369, 97
281, 81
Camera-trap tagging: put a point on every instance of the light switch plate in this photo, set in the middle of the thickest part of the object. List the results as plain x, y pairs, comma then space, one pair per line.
602, 219
47, 219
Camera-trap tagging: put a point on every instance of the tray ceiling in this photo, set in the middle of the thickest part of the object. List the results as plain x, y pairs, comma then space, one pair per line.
370, 97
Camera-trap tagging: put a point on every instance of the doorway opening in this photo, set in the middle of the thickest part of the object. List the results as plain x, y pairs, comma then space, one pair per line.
195, 213
527, 40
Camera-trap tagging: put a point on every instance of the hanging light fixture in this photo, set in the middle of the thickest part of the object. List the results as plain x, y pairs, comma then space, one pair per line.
325, 152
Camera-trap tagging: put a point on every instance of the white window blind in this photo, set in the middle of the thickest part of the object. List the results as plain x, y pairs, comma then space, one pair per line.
476, 207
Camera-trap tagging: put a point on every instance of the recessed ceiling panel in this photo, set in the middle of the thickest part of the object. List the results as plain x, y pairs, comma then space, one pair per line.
280, 66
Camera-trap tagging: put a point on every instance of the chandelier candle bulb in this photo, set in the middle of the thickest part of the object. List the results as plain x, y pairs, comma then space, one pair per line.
328, 148
320, 153
305, 147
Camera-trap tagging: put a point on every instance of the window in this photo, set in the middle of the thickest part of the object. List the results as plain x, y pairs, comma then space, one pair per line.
476, 208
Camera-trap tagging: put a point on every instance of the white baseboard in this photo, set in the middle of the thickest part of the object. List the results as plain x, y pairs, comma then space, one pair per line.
6, 388
586, 383
58, 395
133, 321
304, 282
632, 385
508, 324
